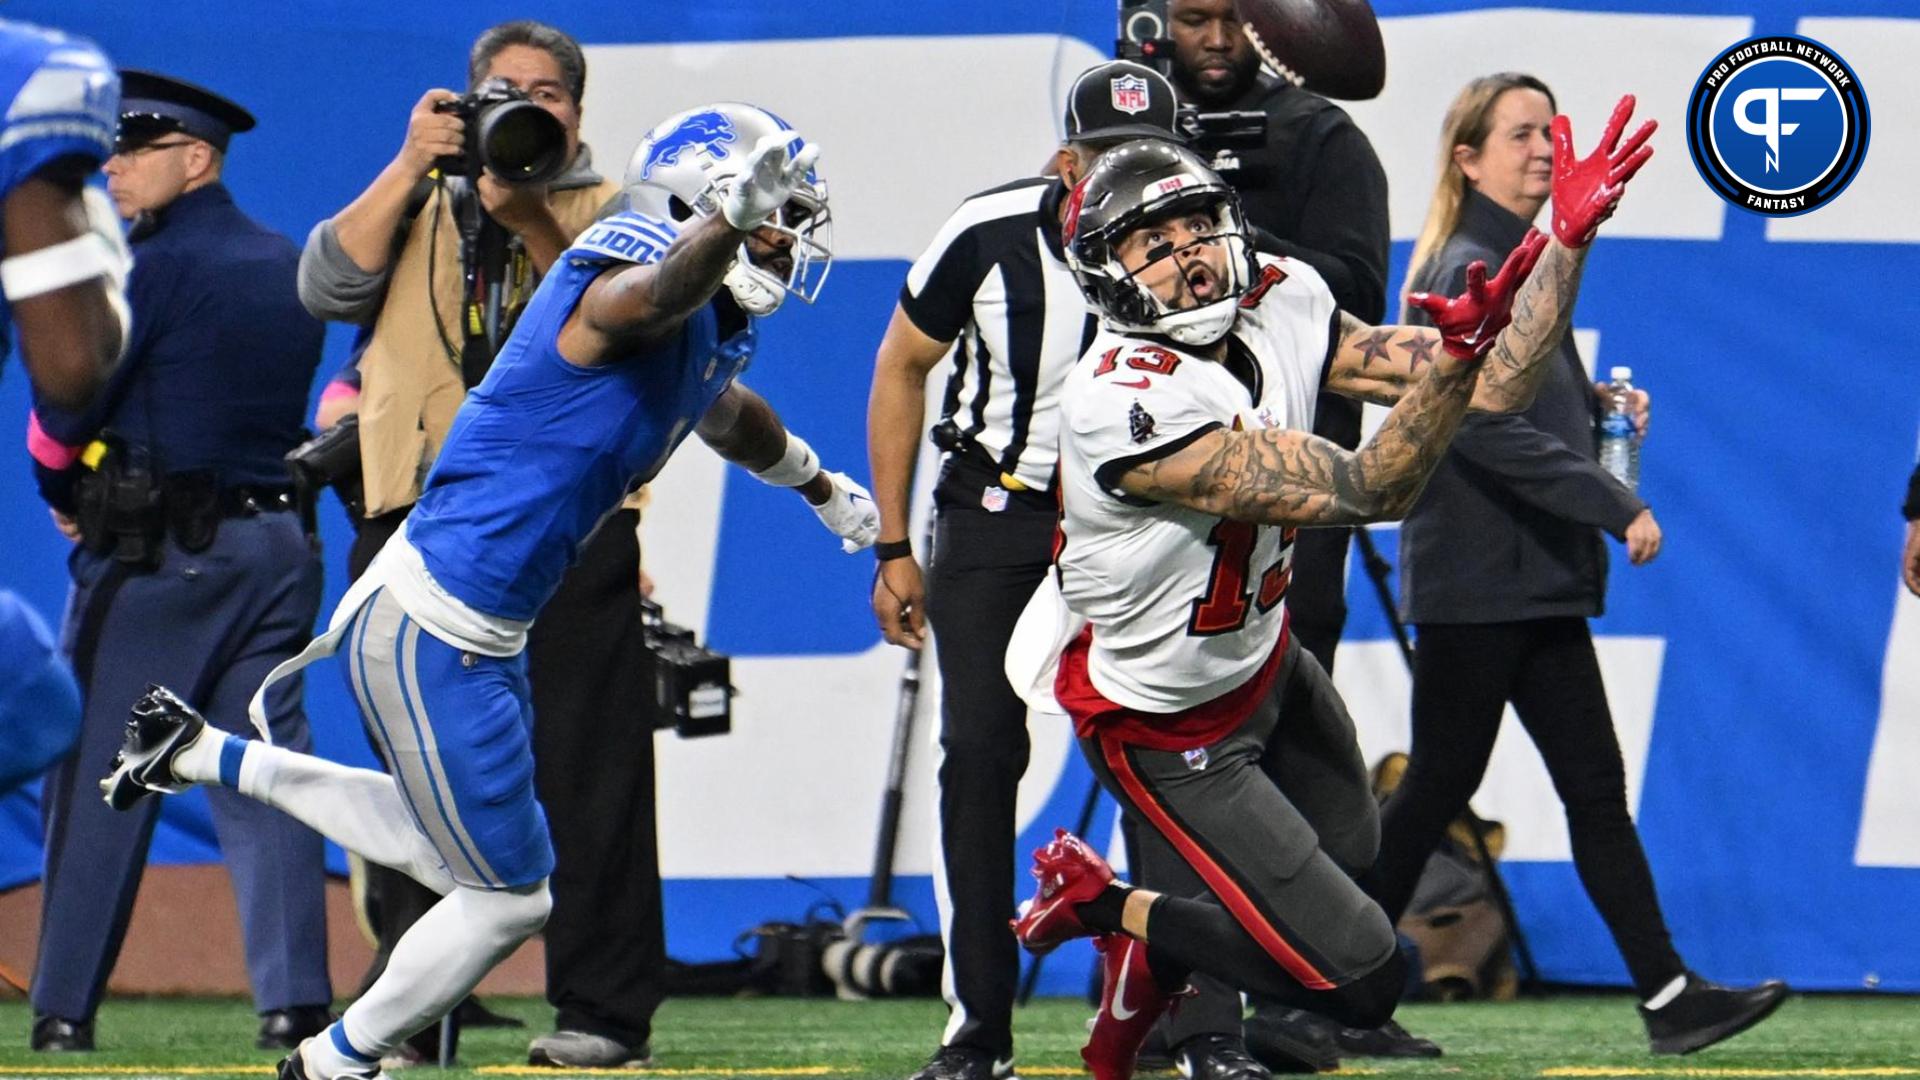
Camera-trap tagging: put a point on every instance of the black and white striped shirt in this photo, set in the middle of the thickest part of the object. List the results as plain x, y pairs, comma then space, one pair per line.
995, 282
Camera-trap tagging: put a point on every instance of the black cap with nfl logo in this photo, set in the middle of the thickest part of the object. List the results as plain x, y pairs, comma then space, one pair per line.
1120, 100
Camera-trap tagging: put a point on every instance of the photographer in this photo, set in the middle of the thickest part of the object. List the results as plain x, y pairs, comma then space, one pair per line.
437, 273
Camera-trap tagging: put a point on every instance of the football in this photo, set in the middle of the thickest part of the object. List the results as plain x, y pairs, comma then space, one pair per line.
1331, 47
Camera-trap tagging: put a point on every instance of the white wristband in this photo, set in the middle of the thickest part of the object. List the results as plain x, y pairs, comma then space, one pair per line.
795, 467
82, 258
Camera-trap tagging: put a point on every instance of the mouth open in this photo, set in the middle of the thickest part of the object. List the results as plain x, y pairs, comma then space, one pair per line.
1201, 282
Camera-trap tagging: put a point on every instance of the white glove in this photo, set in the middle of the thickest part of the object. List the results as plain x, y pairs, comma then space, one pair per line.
767, 182
850, 513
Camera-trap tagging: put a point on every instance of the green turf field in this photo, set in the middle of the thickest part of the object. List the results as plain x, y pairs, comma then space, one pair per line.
1556, 1037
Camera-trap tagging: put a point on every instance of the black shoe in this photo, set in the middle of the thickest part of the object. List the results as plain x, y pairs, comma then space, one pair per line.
1707, 1012
471, 1013
161, 724
1218, 1057
54, 1035
1292, 1040
1389, 1040
964, 1063
284, 1029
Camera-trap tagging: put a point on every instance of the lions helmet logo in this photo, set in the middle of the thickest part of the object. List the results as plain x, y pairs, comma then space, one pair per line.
707, 132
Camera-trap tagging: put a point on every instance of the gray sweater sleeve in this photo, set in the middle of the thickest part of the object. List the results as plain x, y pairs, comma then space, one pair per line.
332, 286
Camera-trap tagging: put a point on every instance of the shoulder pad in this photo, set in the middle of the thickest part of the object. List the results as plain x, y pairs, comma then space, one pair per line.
629, 236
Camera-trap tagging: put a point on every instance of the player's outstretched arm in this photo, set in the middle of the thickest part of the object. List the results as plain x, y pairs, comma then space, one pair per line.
1381, 363
1277, 476
744, 429
651, 301
1378, 363
65, 270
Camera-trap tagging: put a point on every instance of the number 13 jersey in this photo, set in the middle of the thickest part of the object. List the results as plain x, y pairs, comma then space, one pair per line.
1183, 606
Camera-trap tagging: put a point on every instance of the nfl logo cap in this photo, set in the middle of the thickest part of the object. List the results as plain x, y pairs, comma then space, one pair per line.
1120, 100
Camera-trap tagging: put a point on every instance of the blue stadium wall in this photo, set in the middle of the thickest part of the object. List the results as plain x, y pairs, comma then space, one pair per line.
1765, 671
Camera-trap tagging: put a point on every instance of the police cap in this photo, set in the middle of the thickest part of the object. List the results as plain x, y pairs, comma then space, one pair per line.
153, 106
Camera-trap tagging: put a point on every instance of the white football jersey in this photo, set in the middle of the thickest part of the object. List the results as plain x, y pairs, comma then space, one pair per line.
1184, 606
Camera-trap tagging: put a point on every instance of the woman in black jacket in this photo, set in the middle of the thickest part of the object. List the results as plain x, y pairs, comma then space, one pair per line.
1502, 563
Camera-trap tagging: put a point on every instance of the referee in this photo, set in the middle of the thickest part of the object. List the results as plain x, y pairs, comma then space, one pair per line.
994, 292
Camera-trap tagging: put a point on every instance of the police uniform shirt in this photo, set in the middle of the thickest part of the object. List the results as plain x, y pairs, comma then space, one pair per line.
221, 355
995, 280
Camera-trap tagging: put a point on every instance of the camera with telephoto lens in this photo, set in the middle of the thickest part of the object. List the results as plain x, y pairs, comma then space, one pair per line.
692, 686
1216, 136
507, 135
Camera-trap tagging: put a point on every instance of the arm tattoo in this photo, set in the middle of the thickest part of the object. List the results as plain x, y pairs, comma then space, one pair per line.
1419, 346
1281, 477
1513, 370
1374, 348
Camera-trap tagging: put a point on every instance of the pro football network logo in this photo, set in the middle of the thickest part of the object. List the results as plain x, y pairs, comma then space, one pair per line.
1778, 125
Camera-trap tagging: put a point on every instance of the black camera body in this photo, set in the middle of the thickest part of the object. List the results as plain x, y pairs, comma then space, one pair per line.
1217, 136
507, 135
330, 459
692, 686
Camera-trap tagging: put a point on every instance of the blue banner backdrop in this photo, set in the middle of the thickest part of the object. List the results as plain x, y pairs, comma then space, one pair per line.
1788, 406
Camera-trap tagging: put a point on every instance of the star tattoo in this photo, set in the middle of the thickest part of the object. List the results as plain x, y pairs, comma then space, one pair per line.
1375, 347
1419, 347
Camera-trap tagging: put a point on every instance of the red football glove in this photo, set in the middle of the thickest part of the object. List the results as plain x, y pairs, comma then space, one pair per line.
1468, 323
1586, 190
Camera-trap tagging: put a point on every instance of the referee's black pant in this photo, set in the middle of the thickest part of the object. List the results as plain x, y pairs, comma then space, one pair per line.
1463, 677
593, 771
985, 568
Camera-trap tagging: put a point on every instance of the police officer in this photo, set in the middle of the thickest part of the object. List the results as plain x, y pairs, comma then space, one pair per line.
190, 567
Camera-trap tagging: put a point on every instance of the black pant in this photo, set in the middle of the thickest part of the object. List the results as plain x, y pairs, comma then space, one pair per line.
985, 568
1463, 677
593, 771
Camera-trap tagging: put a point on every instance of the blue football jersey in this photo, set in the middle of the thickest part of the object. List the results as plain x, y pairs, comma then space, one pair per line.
62, 99
543, 449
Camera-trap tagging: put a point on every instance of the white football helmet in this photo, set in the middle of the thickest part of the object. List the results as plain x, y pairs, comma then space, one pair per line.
684, 164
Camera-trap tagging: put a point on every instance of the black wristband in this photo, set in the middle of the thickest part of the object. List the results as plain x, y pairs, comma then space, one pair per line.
889, 550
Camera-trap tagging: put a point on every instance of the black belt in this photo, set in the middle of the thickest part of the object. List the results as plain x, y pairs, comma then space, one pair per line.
248, 501
967, 480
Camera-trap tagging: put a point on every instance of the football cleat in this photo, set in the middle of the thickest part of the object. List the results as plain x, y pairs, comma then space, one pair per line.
159, 727
1070, 873
1131, 1002
294, 1066
1214, 1056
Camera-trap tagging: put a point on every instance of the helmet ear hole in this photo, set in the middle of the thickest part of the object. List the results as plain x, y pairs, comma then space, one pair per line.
678, 208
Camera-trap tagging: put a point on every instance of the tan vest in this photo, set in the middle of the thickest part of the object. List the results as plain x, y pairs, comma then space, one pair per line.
410, 383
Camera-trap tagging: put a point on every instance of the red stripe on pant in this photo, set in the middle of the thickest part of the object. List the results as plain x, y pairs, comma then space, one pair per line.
1238, 904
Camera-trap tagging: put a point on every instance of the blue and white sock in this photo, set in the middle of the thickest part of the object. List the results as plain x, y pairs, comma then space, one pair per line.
329, 1055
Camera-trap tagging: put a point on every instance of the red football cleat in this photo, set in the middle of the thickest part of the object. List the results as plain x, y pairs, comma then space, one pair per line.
1131, 1002
1069, 873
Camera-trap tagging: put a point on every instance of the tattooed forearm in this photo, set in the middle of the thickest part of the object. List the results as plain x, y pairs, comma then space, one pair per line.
1542, 311
1281, 477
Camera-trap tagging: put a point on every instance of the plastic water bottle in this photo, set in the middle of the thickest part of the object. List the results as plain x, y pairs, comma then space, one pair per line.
1619, 450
